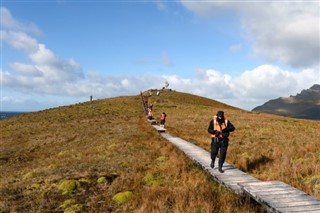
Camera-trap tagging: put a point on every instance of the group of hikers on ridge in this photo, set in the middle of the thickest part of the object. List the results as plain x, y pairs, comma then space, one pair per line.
151, 115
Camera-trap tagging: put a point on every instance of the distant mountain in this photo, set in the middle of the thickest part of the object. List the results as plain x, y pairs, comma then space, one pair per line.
304, 105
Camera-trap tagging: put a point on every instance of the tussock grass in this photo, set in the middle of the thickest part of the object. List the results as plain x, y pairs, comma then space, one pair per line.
103, 156
266, 146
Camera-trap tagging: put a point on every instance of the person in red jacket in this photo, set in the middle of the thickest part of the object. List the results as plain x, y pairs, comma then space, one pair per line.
219, 128
163, 119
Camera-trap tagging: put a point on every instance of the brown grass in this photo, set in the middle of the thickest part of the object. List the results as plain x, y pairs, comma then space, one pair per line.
77, 158
266, 146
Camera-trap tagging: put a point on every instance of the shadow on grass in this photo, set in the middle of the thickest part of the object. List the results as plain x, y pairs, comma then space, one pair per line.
256, 163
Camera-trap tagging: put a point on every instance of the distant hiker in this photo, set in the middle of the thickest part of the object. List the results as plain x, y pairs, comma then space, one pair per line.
146, 104
151, 106
163, 119
219, 128
150, 114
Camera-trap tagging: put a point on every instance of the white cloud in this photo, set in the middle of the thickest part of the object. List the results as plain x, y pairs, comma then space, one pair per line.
7, 21
280, 31
46, 72
125, 83
10, 103
20, 40
43, 56
249, 89
265, 81
48, 75
35, 102
287, 36
26, 69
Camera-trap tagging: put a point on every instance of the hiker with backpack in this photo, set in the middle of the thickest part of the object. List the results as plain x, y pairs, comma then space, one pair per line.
219, 128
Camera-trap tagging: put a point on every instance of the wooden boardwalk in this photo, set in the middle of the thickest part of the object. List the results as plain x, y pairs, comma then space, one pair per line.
275, 196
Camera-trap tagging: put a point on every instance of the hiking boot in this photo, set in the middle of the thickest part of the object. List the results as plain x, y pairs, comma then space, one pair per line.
220, 170
212, 164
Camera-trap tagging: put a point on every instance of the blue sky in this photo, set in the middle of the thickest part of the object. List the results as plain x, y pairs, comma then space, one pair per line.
242, 53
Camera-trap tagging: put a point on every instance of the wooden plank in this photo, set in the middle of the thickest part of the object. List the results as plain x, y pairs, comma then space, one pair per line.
288, 199
153, 122
280, 197
229, 178
275, 196
167, 135
278, 204
159, 129
304, 209
266, 184
275, 193
270, 189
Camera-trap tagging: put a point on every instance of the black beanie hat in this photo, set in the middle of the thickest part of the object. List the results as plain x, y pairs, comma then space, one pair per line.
220, 114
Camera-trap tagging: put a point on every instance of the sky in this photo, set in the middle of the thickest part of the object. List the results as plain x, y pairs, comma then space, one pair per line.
242, 53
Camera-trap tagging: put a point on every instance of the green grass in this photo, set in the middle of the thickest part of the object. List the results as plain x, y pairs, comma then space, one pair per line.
85, 157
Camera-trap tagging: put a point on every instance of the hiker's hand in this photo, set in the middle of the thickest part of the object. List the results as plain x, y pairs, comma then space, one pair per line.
216, 133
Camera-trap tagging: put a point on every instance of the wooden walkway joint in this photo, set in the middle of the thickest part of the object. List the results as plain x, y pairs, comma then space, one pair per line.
275, 196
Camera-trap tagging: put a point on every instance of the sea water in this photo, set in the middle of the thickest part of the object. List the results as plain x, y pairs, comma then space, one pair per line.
7, 114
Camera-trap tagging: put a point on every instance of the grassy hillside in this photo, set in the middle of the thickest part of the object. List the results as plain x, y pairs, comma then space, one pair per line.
269, 147
103, 156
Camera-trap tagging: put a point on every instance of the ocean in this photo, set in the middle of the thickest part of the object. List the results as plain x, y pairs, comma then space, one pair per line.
7, 114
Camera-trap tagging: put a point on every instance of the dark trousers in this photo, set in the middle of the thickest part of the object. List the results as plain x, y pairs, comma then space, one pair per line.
221, 144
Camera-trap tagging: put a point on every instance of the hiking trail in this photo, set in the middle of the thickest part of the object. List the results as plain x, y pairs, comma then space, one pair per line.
275, 196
